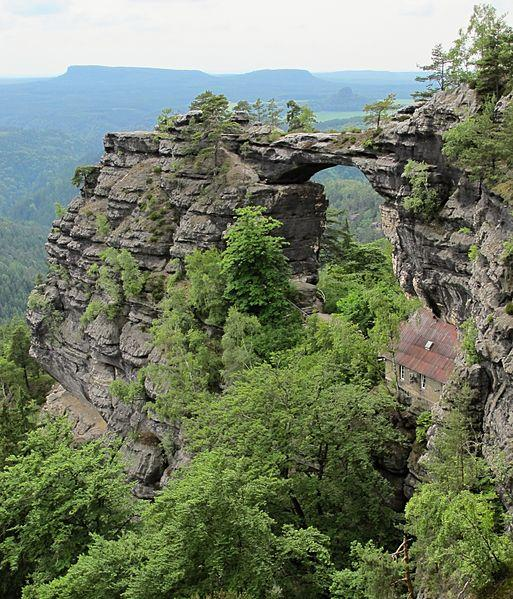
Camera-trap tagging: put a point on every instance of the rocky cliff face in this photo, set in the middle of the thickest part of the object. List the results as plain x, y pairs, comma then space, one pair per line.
149, 197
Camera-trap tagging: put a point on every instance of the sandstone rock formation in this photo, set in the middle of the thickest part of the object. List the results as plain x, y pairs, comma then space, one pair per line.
159, 205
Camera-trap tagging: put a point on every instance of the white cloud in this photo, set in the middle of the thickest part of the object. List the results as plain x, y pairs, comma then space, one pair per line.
225, 35
417, 8
34, 8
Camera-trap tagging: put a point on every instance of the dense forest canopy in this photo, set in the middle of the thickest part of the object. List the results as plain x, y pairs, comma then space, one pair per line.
22, 258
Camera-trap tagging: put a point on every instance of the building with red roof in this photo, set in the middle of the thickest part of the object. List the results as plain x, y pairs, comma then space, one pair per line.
423, 360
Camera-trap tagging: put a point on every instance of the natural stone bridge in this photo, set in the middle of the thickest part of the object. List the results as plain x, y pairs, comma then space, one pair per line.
161, 205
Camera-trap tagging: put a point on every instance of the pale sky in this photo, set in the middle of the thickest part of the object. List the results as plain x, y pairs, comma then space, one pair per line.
43, 37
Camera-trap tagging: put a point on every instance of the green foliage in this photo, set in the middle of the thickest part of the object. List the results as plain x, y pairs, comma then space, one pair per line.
190, 367
207, 285
509, 308
457, 542
81, 174
482, 55
240, 343
361, 286
378, 113
36, 167
23, 387
336, 237
22, 258
507, 251
267, 113
465, 231
473, 252
300, 117
473, 145
254, 266
423, 199
206, 131
131, 278
93, 310
59, 210
102, 225
207, 535
349, 194
53, 496
455, 518
308, 418
165, 120
375, 575
438, 76
424, 421
118, 278
155, 285
468, 342
128, 391
483, 146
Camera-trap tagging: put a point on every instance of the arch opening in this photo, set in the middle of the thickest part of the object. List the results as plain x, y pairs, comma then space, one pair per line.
349, 192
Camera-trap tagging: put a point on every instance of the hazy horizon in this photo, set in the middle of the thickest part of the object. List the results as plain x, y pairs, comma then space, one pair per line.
4, 76
224, 36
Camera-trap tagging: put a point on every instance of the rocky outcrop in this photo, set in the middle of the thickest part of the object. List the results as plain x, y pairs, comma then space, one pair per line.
150, 197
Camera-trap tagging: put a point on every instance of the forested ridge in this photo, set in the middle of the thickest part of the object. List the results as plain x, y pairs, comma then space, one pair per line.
22, 258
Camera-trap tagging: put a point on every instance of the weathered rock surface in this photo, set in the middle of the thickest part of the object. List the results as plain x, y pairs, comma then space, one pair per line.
160, 207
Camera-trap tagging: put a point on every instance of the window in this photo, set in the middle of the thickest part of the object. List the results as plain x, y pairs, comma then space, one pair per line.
401, 372
422, 381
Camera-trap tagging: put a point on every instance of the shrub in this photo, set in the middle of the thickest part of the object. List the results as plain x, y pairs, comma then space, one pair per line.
473, 252
165, 120
424, 421
59, 210
102, 225
93, 310
468, 342
507, 251
128, 391
509, 308
155, 285
37, 301
423, 200
207, 285
131, 277
81, 173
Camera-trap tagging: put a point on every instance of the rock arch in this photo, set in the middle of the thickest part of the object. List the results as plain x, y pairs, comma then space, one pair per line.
161, 206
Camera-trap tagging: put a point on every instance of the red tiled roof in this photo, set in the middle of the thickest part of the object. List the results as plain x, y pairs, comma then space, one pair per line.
436, 363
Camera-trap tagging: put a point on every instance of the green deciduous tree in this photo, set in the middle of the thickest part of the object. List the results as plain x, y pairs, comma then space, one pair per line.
240, 343
456, 518
375, 574
190, 365
53, 496
207, 286
208, 534
254, 266
319, 425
